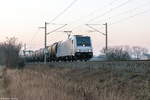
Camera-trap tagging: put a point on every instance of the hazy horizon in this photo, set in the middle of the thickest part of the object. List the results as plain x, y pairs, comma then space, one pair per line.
128, 21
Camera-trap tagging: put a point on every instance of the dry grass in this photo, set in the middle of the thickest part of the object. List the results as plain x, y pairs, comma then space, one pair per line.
4, 93
44, 83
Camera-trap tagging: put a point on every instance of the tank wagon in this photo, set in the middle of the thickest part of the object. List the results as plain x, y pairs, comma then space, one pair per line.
76, 47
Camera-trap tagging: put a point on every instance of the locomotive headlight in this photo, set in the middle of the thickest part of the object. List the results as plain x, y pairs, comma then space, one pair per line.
90, 50
78, 50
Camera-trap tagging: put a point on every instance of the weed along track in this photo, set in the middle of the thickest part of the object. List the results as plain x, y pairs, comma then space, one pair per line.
58, 81
4, 91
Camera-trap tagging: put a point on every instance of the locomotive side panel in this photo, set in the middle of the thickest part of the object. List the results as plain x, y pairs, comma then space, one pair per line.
65, 48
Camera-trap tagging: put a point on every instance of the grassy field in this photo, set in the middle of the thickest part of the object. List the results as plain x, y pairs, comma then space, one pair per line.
97, 81
3, 84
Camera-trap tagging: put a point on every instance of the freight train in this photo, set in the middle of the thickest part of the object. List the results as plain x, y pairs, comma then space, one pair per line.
76, 47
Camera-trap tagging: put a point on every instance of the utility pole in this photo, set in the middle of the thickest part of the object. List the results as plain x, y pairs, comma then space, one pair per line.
24, 51
45, 40
103, 33
25, 47
45, 45
106, 31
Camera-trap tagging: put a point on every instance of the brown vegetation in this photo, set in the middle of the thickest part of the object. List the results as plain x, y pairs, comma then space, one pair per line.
9, 53
41, 82
4, 93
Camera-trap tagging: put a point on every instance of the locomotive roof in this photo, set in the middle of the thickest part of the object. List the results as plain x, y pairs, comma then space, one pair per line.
80, 36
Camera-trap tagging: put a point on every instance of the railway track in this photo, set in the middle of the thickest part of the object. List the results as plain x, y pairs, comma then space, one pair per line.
89, 61
133, 65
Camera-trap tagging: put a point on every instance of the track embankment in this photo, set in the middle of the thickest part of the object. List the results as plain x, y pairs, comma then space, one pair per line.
133, 65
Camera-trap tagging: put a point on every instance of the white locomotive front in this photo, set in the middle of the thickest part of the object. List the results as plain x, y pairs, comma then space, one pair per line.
83, 47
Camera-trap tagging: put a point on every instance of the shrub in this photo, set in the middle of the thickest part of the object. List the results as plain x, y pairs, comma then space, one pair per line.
116, 53
9, 53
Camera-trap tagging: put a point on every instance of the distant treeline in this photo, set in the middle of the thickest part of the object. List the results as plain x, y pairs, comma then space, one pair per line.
124, 53
9, 53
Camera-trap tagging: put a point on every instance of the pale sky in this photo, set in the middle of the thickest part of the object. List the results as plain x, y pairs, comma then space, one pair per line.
128, 21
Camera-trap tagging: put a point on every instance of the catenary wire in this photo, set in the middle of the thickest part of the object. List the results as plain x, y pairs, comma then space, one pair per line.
127, 11
66, 9
129, 17
108, 11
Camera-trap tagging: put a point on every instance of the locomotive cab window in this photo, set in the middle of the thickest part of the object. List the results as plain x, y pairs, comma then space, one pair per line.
83, 41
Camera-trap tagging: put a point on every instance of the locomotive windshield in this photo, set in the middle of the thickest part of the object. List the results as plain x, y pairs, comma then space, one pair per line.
83, 41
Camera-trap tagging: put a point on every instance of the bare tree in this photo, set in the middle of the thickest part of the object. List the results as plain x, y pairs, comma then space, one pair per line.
10, 52
138, 52
116, 53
